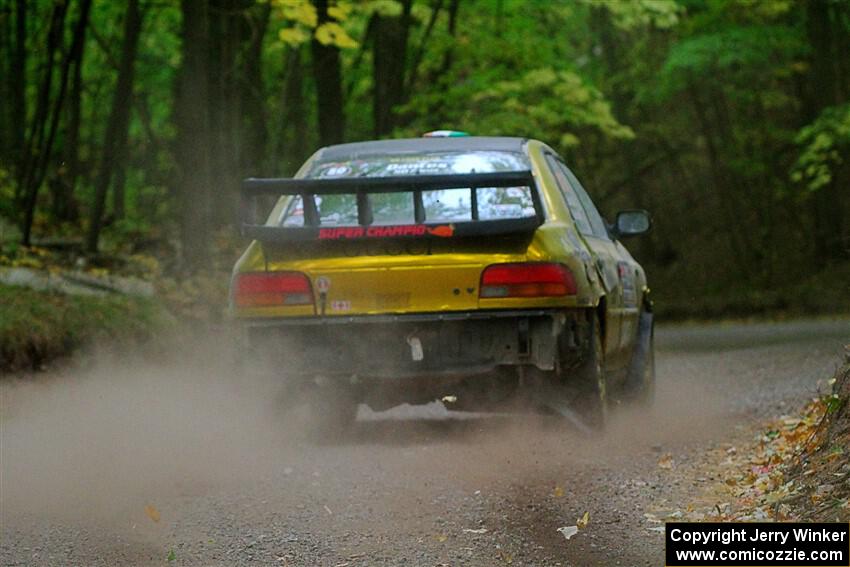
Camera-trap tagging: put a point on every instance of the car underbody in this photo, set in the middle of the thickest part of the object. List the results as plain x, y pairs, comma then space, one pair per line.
387, 359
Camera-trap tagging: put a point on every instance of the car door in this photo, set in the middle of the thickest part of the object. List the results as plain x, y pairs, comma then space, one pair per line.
633, 280
606, 256
628, 273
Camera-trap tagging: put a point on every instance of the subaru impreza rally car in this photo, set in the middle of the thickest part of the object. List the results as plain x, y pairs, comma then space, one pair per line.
475, 269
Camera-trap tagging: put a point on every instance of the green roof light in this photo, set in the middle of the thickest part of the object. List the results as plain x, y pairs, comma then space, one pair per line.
445, 134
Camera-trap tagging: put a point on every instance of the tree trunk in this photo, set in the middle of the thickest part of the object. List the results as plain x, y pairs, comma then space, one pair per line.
436, 111
825, 90
192, 119
294, 144
720, 180
224, 105
27, 187
115, 140
389, 54
413, 73
17, 88
448, 56
7, 55
328, 76
119, 181
624, 108
65, 207
253, 95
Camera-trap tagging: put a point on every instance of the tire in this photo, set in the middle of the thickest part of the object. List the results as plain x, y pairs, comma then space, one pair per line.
639, 387
591, 403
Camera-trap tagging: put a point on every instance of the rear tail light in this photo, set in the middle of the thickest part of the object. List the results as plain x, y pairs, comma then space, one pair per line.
529, 279
274, 288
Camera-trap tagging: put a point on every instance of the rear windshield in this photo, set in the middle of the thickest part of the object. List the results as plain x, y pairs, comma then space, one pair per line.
443, 205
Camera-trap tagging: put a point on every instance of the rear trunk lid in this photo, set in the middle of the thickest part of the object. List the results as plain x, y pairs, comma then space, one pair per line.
396, 276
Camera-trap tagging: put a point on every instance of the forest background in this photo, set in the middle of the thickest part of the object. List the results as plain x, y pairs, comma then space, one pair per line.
126, 126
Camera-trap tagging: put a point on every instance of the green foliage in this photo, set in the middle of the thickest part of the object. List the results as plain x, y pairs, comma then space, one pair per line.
545, 103
824, 145
739, 50
662, 14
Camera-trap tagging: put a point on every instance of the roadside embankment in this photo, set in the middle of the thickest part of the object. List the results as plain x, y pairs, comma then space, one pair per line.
823, 470
793, 467
37, 326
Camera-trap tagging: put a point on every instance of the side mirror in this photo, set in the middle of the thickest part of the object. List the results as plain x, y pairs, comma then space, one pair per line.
632, 223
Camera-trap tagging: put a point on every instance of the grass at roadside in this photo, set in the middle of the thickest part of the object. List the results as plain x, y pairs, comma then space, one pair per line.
38, 326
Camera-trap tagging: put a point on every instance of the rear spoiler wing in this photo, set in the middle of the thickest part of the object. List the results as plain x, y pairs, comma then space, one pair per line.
362, 187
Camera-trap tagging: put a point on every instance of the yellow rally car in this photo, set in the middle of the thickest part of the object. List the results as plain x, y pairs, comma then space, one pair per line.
471, 269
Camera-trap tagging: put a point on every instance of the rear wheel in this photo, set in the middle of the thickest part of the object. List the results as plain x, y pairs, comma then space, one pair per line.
639, 387
591, 403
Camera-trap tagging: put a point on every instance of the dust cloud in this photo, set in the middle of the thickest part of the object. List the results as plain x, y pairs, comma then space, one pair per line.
118, 432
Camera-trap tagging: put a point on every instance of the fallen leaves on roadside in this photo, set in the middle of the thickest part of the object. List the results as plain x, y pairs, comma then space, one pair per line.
666, 462
752, 477
152, 513
581, 523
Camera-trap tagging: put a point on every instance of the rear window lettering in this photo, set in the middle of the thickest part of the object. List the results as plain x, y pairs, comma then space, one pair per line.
432, 163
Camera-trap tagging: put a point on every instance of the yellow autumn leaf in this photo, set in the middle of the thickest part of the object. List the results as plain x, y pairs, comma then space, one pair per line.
666, 461
293, 36
152, 513
581, 523
331, 33
301, 11
340, 11
558, 492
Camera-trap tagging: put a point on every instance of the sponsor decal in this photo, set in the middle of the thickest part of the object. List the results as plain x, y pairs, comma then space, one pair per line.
627, 278
323, 284
391, 231
445, 230
340, 305
337, 171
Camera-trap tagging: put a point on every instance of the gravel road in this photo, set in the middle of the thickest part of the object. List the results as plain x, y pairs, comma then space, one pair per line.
133, 461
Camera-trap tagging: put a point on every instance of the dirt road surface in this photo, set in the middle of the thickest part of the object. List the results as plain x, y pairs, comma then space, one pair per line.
174, 461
